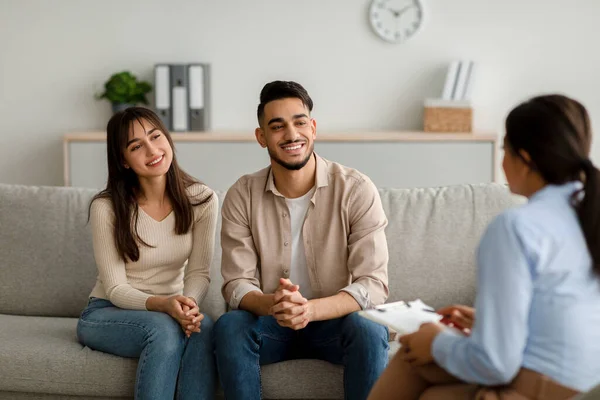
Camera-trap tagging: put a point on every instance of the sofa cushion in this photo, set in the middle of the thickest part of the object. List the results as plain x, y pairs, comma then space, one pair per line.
42, 355
42, 396
306, 379
47, 253
432, 236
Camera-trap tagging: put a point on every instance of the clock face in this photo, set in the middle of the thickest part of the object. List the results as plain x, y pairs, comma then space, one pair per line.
396, 20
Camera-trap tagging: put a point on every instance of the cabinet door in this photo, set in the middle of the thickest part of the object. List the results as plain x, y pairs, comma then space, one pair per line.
87, 164
415, 164
388, 164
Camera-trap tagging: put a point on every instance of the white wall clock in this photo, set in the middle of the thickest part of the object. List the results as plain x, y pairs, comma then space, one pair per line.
396, 21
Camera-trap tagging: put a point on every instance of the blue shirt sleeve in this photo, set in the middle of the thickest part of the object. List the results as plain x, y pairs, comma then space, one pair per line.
493, 354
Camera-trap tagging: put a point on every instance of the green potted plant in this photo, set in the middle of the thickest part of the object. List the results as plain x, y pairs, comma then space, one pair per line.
123, 90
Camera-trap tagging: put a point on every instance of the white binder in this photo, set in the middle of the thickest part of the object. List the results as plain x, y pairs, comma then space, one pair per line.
198, 86
179, 98
162, 93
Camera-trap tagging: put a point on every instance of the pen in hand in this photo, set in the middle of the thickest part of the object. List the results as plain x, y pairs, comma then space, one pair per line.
447, 320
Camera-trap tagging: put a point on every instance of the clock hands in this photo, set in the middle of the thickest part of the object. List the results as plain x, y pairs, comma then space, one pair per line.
398, 13
398, 28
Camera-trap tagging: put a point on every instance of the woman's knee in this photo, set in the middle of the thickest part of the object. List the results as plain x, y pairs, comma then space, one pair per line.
208, 324
456, 391
204, 338
165, 333
206, 331
162, 321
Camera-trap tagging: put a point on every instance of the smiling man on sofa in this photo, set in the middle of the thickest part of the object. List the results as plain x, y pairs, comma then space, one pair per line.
304, 248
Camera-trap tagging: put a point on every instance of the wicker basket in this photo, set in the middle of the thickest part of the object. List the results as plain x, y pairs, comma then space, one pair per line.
448, 119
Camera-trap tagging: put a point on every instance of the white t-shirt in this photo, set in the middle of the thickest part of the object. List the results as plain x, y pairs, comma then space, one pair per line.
298, 270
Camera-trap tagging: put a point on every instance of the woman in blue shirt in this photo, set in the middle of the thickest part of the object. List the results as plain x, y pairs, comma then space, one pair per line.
536, 334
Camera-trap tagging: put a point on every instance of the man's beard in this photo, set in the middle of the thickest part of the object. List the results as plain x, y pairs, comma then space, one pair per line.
292, 166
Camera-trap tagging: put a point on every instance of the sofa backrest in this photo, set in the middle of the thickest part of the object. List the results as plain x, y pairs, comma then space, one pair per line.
46, 260
47, 265
432, 237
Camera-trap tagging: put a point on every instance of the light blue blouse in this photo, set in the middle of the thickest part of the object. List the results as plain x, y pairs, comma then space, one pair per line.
538, 300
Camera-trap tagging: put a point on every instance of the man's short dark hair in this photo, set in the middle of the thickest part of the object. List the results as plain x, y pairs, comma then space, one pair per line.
278, 90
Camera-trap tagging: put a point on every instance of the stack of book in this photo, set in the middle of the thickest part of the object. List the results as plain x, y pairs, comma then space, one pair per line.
459, 81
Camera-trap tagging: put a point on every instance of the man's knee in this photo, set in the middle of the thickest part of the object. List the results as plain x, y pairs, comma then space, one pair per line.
232, 328
356, 327
234, 319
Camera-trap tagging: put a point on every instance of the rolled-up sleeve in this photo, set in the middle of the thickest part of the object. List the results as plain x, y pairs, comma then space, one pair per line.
367, 246
240, 259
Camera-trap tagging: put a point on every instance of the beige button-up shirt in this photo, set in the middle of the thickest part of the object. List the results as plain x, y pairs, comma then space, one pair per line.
343, 234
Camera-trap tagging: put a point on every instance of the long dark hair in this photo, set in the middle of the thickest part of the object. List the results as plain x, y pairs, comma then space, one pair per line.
123, 184
556, 132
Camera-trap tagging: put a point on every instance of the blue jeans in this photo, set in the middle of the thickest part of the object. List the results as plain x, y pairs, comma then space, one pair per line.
244, 342
169, 362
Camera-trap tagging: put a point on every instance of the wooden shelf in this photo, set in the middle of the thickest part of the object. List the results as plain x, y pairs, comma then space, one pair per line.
321, 137
391, 159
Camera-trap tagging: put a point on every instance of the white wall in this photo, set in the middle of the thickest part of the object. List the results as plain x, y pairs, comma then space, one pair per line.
55, 54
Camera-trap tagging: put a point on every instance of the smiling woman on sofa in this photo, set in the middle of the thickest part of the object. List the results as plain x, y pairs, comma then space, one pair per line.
537, 330
153, 235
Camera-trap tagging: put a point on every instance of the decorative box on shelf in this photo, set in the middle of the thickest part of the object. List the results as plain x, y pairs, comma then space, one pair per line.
447, 116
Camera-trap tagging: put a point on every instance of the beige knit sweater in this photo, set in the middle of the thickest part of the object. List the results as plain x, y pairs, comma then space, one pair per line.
161, 270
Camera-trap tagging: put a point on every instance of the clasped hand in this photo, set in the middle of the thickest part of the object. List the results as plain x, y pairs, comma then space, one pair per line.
290, 308
186, 312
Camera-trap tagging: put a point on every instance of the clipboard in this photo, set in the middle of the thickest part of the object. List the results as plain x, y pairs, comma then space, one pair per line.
402, 317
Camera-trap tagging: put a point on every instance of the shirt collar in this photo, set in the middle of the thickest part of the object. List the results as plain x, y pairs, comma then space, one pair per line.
565, 190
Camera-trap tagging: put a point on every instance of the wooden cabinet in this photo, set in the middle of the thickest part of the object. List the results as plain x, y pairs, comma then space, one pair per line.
390, 159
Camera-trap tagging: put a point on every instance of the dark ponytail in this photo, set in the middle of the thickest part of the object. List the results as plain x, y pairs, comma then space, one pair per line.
588, 210
556, 133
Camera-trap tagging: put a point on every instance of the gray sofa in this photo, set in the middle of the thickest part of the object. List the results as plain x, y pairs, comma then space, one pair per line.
47, 271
